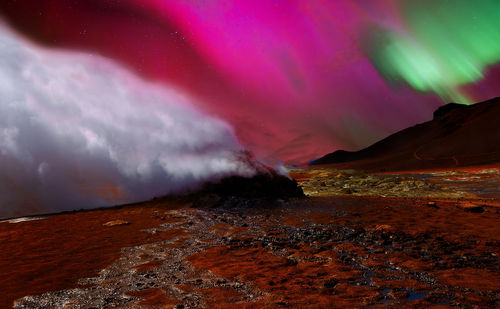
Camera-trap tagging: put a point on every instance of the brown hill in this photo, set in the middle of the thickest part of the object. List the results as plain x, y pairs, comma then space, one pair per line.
458, 135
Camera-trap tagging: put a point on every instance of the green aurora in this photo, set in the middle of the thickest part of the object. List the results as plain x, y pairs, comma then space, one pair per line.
445, 44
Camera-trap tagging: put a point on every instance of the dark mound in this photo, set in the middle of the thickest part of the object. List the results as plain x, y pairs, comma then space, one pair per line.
236, 191
272, 186
458, 135
266, 184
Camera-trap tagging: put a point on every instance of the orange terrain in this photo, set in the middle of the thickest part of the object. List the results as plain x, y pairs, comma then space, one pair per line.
239, 252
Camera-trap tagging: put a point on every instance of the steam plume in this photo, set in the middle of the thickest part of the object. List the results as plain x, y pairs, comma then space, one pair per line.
78, 131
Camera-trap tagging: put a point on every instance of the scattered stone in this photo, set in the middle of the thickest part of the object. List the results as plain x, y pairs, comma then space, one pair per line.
346, 191
330, 283
469, 207
474, 209
382, 227
116, 223
432, 204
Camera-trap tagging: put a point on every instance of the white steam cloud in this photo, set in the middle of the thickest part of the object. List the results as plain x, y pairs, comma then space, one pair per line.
77, 131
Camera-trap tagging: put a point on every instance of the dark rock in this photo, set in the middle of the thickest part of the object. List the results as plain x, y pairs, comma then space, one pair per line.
330, 283
476, 209
445, 109
472, 208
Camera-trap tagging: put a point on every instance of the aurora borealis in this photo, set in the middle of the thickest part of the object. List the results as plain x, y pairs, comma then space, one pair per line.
445, 44
295, 79
292, 80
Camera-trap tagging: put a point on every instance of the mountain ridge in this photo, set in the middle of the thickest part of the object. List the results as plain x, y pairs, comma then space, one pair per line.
458, 135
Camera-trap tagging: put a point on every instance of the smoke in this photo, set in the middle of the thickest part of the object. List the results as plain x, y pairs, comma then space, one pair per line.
77, 131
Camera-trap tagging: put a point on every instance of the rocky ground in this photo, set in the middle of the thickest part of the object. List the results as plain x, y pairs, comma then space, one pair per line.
462, 183
337, 248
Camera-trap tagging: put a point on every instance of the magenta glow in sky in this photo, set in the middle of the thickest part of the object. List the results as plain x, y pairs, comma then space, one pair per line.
290, 76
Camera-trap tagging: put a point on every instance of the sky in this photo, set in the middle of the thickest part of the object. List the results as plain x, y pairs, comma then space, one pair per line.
290, 80
296, 79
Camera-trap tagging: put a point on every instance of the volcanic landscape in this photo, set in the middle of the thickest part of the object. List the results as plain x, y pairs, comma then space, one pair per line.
249, 154
327, 237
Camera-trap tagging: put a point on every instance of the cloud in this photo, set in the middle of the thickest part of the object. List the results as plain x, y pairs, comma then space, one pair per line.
78, 131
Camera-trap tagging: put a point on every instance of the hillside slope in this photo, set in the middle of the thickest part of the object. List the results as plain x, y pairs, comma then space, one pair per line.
458, 135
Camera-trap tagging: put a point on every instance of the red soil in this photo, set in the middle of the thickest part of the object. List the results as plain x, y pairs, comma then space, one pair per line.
412, 216
307, 283
53, 253
302, 284
229, 294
